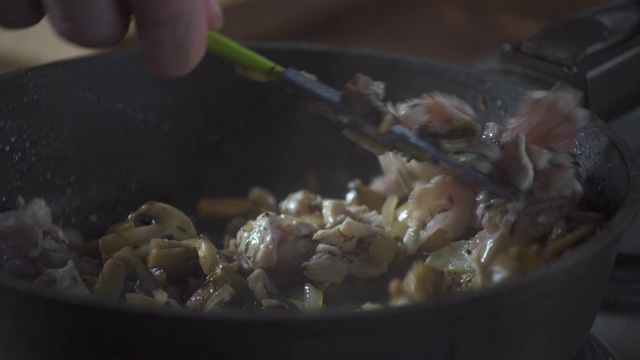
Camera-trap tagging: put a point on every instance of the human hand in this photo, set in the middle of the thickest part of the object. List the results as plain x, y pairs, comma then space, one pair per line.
172, 33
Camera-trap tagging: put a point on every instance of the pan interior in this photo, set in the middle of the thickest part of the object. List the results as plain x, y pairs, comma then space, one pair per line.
98, 137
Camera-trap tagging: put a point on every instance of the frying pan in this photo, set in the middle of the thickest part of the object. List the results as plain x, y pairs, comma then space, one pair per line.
99, 136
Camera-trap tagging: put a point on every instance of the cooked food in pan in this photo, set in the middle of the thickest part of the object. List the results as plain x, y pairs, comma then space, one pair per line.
416, 232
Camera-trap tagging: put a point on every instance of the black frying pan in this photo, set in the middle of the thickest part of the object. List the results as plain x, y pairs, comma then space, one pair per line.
99, 136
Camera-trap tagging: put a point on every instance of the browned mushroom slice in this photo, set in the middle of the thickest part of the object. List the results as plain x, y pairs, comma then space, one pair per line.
209, 257
176, 258
111, 280
145, 281
123, 267
152, 220
222, 208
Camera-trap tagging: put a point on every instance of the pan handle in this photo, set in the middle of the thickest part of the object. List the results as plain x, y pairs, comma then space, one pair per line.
596, 51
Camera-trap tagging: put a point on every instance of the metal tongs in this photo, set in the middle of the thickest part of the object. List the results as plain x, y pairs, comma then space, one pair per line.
394, 138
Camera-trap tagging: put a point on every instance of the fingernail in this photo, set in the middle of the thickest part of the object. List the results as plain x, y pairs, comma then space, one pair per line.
216, 18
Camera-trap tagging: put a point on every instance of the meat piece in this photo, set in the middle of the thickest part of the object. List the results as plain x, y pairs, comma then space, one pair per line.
364, 266
555, 174
346, 235
437, 112
66, 280
35, 213
326, 267
301, 203
443, 118
335, 212
401, 176
24, 227
273, 239
550, 119
443, 204
30, 243
370, 261
397, 178
365, 94
55, 253
372, 218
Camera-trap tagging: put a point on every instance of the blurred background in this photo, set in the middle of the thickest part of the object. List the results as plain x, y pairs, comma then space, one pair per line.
459, 31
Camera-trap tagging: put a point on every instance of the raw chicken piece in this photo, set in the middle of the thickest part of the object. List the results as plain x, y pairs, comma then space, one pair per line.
326, 267
555, 174
24, 227
274, 239
66, 280
365, 94
30, 243
335, 212
346, 235
301, 203
550, 119
439, 113
443, 204
400, 176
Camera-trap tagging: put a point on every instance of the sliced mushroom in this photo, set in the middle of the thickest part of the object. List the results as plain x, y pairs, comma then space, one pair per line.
176, 258
111, 280
257, 201
209, 257
152, 220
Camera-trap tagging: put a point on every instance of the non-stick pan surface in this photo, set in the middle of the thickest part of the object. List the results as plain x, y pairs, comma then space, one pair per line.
97, 137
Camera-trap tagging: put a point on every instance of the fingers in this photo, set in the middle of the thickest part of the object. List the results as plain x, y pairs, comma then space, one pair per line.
214, 14
20, 13
92, 23
173, 33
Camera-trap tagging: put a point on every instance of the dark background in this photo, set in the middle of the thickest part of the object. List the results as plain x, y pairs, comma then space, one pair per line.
452, 30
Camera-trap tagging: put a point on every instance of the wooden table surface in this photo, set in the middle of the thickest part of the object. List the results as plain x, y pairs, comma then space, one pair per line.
450, 30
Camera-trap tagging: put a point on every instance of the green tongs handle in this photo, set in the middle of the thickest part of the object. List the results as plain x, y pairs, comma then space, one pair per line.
242, 56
